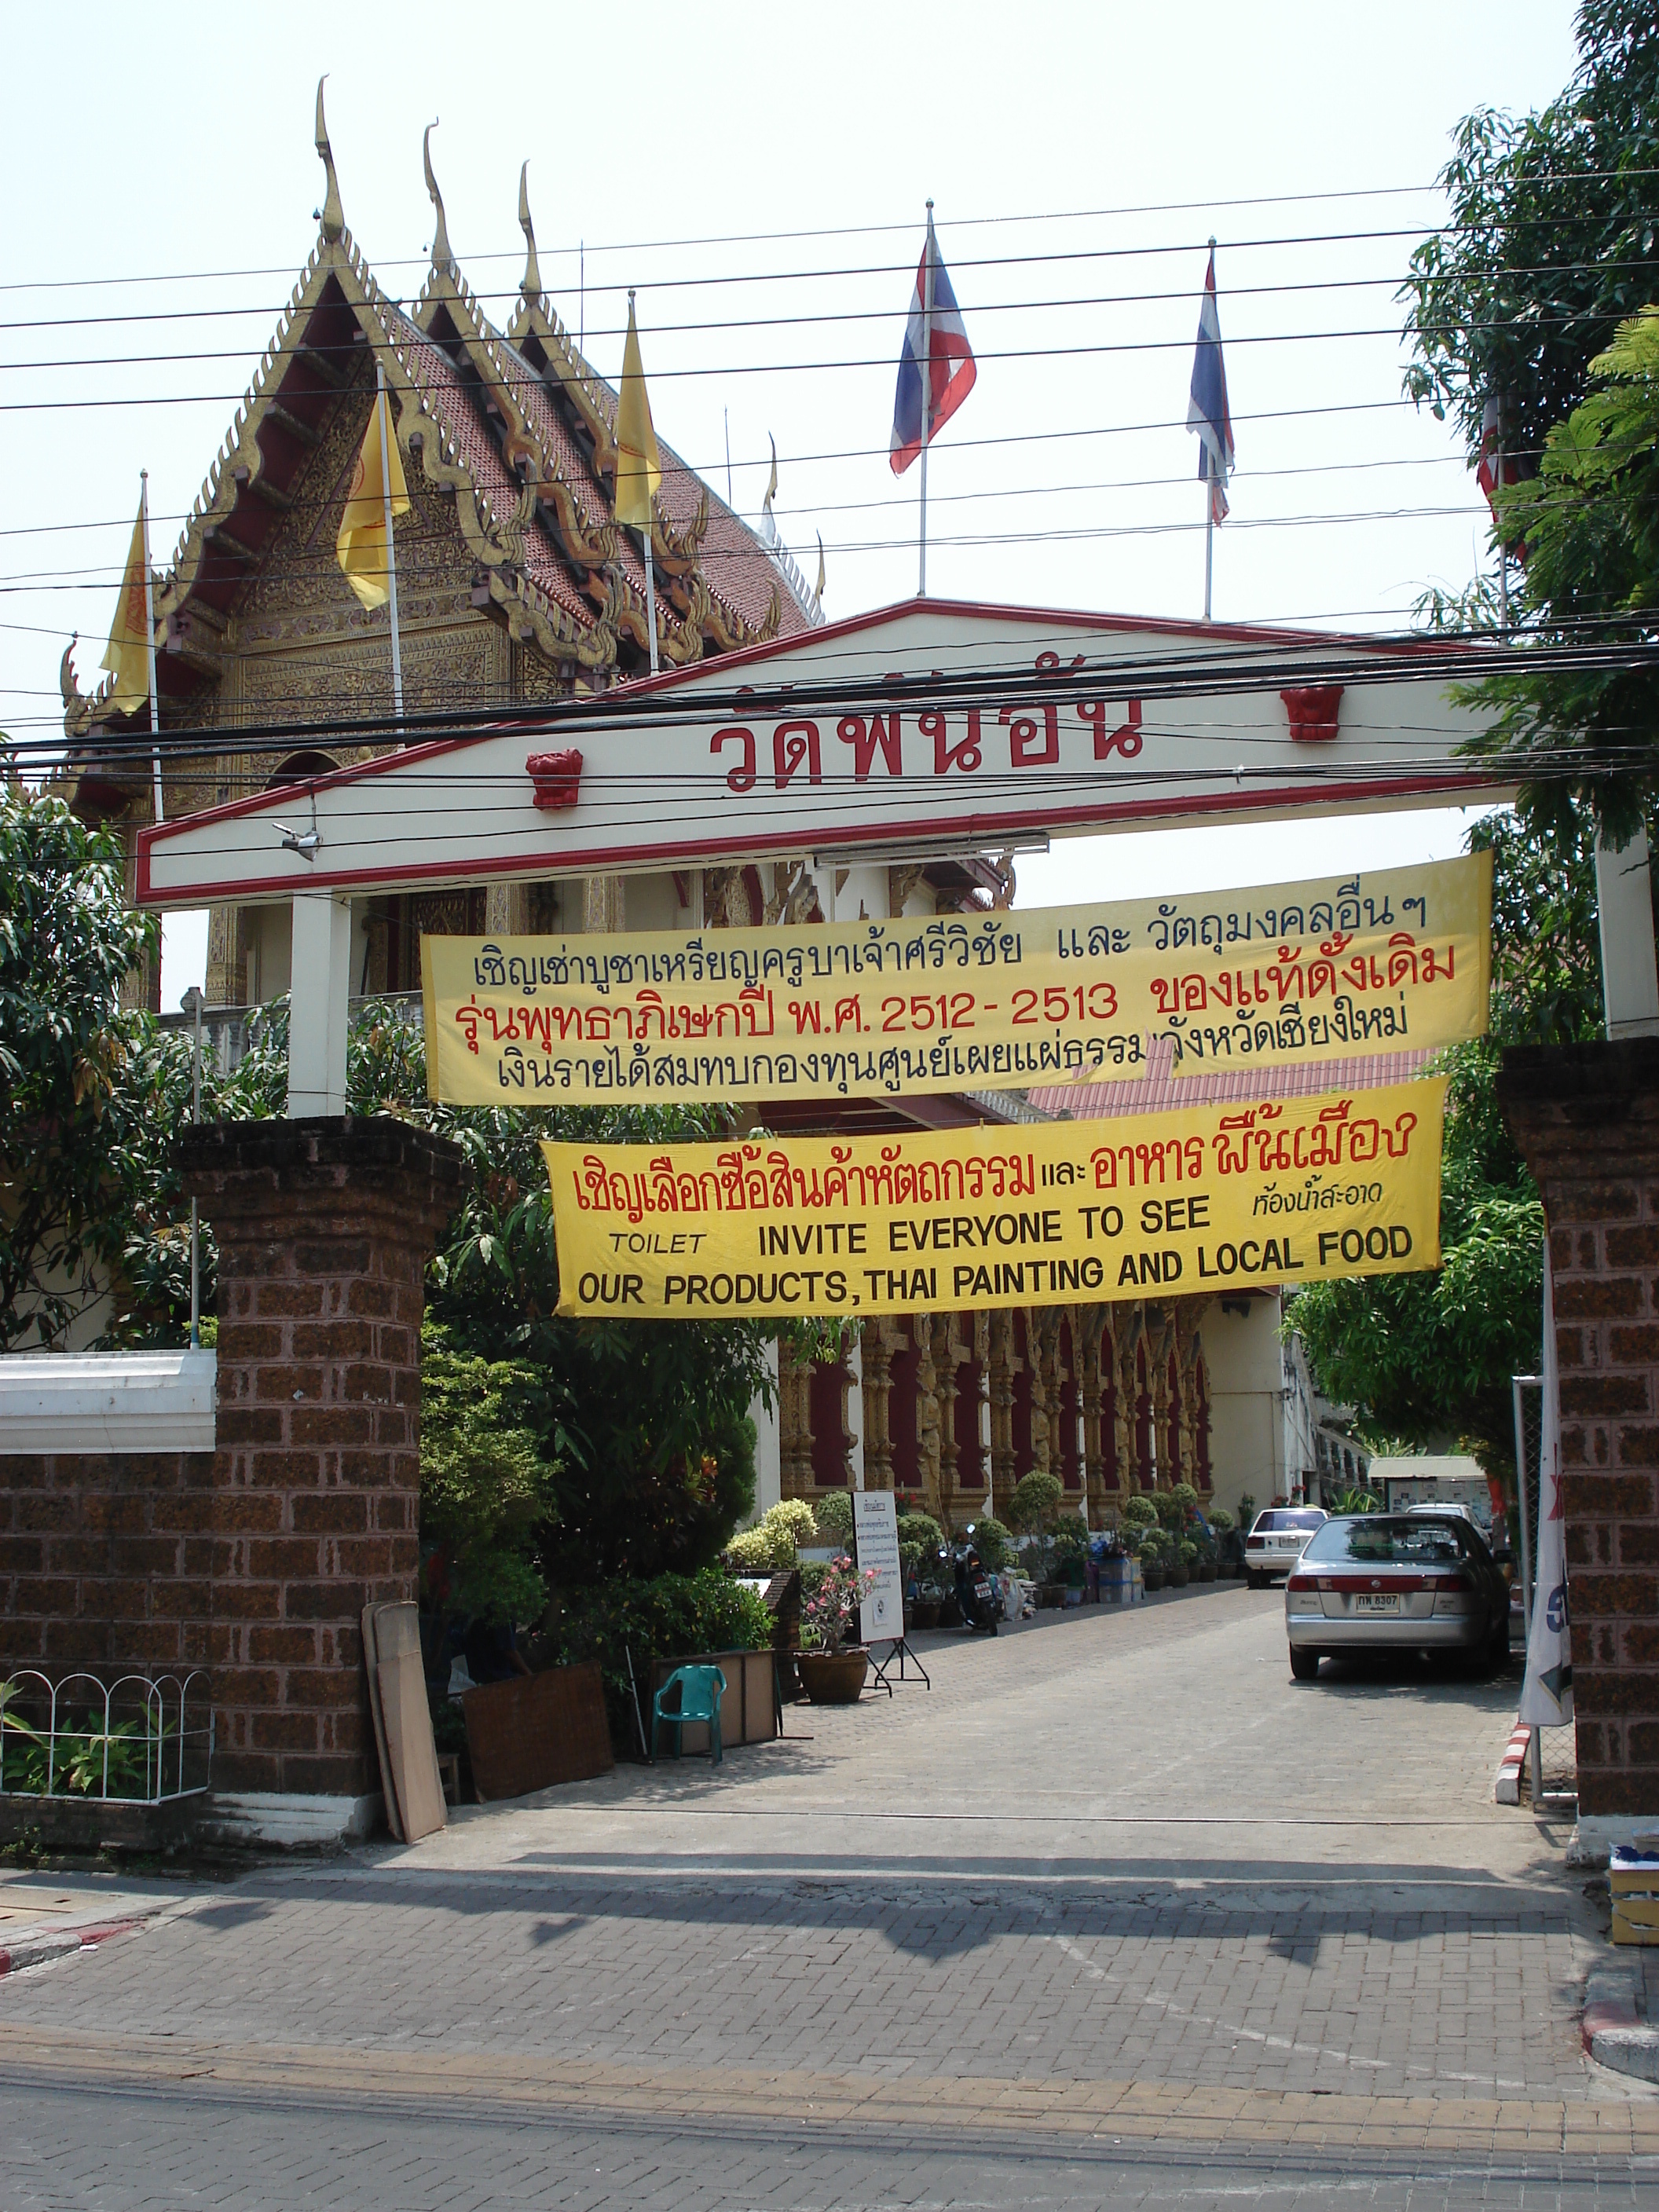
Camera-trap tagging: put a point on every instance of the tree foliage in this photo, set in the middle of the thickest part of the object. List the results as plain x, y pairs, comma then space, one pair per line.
70, 1097
1427, 1358
1542, 283
1589, 521
1551, 239
488, 1492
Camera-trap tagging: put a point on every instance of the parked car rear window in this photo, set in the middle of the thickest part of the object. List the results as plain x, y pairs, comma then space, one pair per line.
1290, 1520
1375, 1539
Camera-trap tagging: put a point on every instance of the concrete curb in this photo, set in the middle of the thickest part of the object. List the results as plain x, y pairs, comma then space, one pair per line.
1506, 1783
35, 1948
1613, 2031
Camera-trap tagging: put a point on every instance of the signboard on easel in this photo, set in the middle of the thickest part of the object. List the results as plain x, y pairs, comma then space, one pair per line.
875, 1538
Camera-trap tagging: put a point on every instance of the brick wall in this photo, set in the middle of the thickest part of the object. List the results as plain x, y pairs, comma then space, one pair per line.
105, 1561
257, 1559
323, 1229
1586, 1119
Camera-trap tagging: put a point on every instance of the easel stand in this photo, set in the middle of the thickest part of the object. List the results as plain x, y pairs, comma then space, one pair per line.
898, 1648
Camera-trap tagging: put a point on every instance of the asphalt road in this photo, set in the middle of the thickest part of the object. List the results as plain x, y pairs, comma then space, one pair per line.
1115, 1914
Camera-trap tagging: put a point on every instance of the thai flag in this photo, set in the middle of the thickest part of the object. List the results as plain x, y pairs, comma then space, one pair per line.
1492, 458
950, 362
1207, 408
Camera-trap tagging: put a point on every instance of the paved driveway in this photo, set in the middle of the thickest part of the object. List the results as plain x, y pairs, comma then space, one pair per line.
1115, 1913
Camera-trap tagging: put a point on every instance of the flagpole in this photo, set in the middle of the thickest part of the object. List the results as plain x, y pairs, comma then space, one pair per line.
1209, 531
927, 386
149, 648
391, 552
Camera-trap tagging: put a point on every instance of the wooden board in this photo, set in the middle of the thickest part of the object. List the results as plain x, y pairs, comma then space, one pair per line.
410, 1745
538, 1730
394, 1818
389, 1631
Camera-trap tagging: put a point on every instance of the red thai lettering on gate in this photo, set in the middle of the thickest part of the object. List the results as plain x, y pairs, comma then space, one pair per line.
1125, 739
741, 778
965, 755
866, 736
793, 742
1023, 750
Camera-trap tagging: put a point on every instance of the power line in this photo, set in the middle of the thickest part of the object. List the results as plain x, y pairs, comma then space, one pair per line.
908, 227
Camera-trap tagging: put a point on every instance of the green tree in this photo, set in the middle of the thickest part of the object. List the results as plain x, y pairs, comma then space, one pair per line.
1589, 521
1535, 288
68, 1170
487, 1491
1551, 239
1427, 1358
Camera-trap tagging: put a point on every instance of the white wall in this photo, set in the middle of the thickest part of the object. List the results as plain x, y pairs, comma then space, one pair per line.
1242, 1359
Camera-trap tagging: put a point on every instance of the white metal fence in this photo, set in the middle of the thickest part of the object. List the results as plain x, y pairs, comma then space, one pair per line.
139, 1739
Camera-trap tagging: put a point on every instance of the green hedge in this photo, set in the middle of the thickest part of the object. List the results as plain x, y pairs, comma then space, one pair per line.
669, 1618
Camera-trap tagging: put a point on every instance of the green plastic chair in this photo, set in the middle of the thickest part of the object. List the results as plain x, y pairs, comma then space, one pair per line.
700, 1700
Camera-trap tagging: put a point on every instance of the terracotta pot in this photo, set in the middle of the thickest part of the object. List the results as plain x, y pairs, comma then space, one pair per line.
1152, 1577
1207, 1571
1180, 1576
926, 1613
834, 1678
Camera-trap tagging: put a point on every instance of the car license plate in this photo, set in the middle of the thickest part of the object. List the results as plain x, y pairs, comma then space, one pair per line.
1376, 1605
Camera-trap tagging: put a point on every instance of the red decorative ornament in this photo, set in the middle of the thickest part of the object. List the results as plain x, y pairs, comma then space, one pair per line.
556, 777
1313, 709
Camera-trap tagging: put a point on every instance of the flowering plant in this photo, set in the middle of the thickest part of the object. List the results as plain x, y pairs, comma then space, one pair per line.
829, 1616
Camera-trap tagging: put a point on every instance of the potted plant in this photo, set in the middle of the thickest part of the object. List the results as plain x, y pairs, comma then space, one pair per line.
1221, 1524
832, 1663
1182, 1552
1150, 1544
921, 1540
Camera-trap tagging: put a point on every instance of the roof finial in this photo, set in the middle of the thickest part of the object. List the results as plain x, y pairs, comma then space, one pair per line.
531, 285
441, 256
333, 217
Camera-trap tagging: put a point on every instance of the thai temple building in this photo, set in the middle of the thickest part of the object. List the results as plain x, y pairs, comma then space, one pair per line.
516, 586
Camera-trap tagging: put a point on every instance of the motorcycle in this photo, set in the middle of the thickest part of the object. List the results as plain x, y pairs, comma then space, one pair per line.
977, 1594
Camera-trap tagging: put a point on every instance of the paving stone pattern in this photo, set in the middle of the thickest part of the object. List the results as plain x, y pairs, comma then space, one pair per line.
1114, 1850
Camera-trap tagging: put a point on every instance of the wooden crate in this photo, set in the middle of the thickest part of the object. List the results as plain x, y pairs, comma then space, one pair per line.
748, 1710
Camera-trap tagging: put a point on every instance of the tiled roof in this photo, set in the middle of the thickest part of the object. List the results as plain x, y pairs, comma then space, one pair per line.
1160, 1089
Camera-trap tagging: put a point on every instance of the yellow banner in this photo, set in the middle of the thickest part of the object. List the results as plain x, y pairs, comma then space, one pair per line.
961, 1002
1207, 1198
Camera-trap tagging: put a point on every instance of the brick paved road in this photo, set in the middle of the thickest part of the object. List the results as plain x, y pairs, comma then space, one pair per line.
1115, 1914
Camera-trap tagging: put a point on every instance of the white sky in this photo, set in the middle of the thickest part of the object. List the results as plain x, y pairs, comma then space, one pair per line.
128, 153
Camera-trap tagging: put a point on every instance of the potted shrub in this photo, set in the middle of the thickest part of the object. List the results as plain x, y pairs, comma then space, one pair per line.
1221, 1524
832, 1663
1182, 1552
1032, 1512
1150, 1544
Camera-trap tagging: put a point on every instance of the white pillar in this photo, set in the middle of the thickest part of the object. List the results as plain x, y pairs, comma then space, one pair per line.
855, 1409
768, 1444
319, 992
1630, 975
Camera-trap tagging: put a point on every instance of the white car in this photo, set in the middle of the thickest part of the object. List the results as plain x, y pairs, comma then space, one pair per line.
1276, 1540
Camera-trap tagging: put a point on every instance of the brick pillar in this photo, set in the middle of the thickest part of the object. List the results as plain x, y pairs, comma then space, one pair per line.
1586, 1118
323, 1229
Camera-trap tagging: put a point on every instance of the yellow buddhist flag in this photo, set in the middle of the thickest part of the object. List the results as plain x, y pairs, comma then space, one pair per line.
127, 655
360, 547
639, 465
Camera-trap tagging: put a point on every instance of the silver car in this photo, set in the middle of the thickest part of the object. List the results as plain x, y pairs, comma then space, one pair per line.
1275, 1542
1396, 1582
